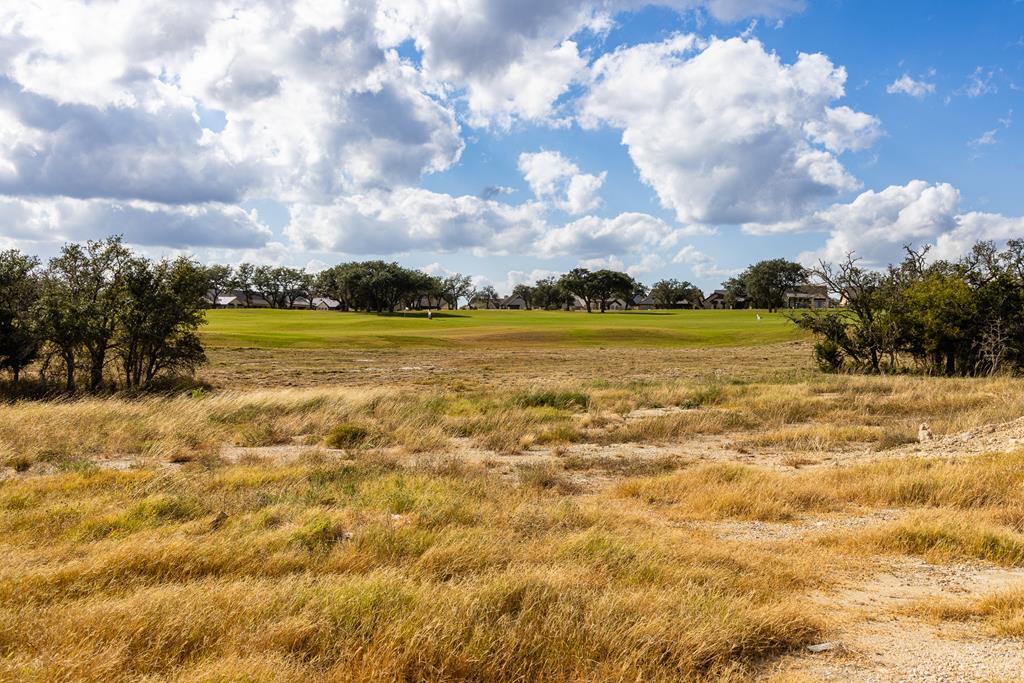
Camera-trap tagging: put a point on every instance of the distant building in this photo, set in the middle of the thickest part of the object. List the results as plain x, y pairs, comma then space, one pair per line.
429, 303
323, 303
483, 303
649, 303
807, 296
644, 303
718, 300
234, 298
229, 302
613, 305
513, 303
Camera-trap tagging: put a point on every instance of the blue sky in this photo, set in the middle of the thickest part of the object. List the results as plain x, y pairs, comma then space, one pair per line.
510, 139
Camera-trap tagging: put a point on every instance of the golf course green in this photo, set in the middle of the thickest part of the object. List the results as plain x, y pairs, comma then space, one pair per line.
263, 328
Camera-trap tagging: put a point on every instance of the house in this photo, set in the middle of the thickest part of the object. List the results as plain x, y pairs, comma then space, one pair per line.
513, 303
718, 298
482, 303
428, 303
649, 303
644, 303
613, 305
323, 303
807, 296
229, 302
301, 302
234, 298
256, 301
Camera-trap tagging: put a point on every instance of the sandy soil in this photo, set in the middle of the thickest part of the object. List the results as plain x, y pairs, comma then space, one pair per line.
876, 642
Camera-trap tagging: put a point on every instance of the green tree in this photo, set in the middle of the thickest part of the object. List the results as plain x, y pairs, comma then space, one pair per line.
218, 279
454, 287
158, 323
20, 332
524, 291
668, 293
579, 282
243, 281
766, 282
83, 289
610, 284
488, 294
549, 294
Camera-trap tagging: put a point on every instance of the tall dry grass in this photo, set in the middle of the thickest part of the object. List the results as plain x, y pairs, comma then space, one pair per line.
331, 572
829, 413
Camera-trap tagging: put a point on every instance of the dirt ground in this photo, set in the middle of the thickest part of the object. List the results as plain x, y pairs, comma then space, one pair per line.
247, 368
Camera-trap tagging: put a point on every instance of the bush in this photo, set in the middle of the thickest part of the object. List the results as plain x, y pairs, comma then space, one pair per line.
320, 534
347, 435
19, 463
565, 400
828, 356
546, 477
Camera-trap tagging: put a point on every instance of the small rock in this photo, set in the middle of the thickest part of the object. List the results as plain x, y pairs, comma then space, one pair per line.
219, 520
824, 647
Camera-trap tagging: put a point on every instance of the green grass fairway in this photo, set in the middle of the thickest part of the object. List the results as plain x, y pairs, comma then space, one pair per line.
494, 329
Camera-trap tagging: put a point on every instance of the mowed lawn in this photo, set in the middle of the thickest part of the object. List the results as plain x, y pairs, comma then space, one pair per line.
331, 329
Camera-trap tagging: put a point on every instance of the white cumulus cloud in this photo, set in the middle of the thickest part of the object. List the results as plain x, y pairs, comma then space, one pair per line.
876, 225
554, 178
724, 131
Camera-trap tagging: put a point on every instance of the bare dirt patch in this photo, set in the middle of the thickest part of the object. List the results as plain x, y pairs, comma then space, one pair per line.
882, 644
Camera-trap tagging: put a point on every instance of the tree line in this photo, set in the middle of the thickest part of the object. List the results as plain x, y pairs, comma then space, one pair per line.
99, 317
382, 287
962, 317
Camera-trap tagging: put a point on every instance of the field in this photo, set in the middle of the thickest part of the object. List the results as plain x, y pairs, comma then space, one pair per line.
516, 496
467, 329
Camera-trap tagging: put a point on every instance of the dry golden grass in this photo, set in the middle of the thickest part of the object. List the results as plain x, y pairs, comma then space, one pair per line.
990, 484
1002, 612
389, 559
365, 572
836, 412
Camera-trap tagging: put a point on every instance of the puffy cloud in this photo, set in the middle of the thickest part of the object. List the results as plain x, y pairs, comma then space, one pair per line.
409, 219
973, 227
702, 265
876, 225
724, 131
105, 112
105, 97
843, 129
78, 150
908, 86
141, 223
554, 178
515, 277
646, 264
513, 58
592, 236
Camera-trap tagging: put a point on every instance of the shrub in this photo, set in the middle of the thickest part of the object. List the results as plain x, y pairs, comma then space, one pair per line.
19, 463
828, 356
547, 398
545, 477
255, 435
347, 435
320, 533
